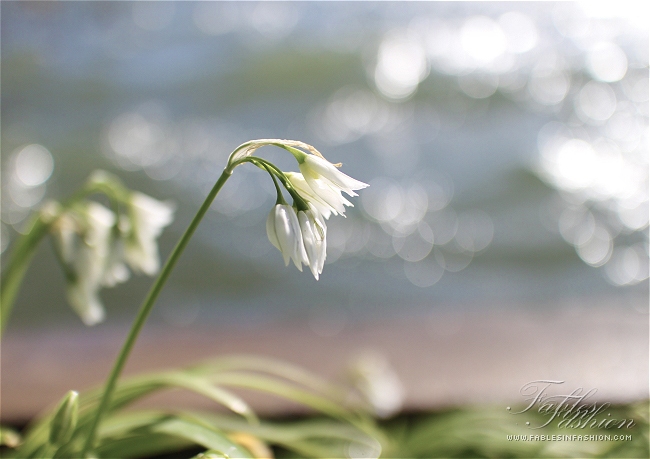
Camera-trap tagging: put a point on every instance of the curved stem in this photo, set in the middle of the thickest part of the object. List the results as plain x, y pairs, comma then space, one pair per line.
280, 198
275, 171
146, 307
17, 266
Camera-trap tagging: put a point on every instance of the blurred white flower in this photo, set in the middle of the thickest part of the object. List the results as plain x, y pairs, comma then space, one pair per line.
147, 218
94, 247
115, 271
283, 230
313, 231
326, 200
378, 382
65, 227
88, 259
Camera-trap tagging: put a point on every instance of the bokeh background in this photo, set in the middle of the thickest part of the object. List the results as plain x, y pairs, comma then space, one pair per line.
505, 144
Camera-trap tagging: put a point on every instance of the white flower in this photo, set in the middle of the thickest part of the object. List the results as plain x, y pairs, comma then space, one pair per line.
88, 261
322, 176
375, 377
325, 199
148, 217
313, 231
283, 230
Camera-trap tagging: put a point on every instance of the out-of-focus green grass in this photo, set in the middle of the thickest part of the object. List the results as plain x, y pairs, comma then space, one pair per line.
476, 432
482, 432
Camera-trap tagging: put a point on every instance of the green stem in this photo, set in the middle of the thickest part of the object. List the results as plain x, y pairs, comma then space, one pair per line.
276, 172
280, 198
17, 266
146, 307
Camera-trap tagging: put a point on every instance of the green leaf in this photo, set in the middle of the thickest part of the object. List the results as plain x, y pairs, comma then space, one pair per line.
149, 444
204, 387
282, 389
210, 380
273, 367
135, 388
122, 423
202, 435
310, 438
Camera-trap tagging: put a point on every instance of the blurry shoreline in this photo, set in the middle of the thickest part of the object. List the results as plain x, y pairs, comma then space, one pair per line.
443, 360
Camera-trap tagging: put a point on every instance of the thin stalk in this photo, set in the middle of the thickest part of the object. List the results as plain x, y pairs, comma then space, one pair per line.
280, 198
146, 307
17, 266
276, 172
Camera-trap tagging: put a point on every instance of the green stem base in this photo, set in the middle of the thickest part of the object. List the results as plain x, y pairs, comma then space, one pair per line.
146, 308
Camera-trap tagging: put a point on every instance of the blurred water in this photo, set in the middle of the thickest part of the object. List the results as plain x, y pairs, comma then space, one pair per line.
505, 145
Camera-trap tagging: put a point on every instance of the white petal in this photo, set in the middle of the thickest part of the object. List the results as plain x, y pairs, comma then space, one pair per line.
65, 234
116, 273
86, 255
320, 168
283, 231
314, 233
93, 254
84, 300
283, 228
99, 216
288, 232
308, 194
310, 242
332, 196
148, 218
156, 214
270, 229
322, 228
298, 254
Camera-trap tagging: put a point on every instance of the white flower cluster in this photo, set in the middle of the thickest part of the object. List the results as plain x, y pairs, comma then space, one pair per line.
300, 234
95, 246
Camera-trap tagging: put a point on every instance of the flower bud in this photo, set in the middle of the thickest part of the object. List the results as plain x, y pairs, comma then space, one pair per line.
283, 230
64, 421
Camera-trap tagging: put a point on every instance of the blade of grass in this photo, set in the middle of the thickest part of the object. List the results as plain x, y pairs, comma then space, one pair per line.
202, 435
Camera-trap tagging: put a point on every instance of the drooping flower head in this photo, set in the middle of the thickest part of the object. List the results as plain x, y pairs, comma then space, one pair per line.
317, 192
95, 245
